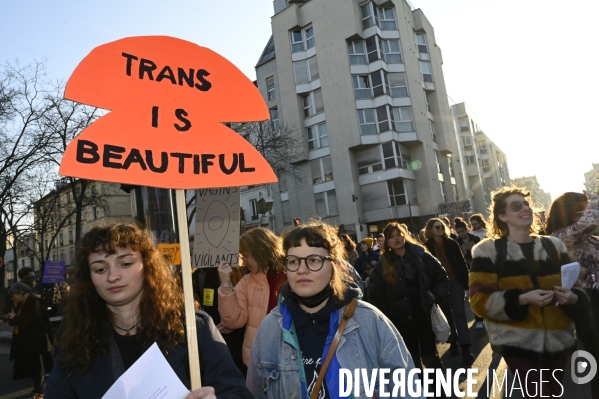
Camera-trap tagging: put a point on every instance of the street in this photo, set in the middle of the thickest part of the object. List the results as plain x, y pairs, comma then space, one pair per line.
485, 361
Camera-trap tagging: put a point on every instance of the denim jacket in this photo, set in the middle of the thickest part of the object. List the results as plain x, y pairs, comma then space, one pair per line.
369, 342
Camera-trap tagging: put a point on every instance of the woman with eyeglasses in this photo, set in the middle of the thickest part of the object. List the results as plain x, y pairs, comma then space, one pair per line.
291, 347
574, 219
256, 294
406, 283
449, 253
515, 285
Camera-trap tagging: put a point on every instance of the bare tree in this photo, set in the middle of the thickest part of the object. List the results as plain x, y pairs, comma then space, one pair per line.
23, 105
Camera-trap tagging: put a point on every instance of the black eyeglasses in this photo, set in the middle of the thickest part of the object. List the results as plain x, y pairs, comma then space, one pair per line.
438, 227
516, 206
313, 262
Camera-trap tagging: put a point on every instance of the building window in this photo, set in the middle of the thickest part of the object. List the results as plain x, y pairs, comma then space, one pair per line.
317, 136
361, 85
443, 195
326, 203
386, 18
451, 171
367, 121
302, 39
464, 125
270, 88
322, 170
427, 102
60, 239
467, 143
397, 84
486, 165
374, 49
432, 130
63, 257
396, 155
382, 116
254, 209
482, 146
94, 213
403, 119
421, 43
71, 236
368, 17
454, 188
306, 71
426, 71
397, 192
470, 160
438, 162
357, 53
274, 118
282, 175
46, 244
363, 170
312, 103
392, 51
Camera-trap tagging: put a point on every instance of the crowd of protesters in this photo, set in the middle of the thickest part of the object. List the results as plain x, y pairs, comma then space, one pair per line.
271, 328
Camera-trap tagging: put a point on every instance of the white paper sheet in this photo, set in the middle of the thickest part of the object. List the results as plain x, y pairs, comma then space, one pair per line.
150, 377
570, 274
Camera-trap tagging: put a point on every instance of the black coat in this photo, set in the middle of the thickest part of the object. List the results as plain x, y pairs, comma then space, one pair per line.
217, 368
363, 262
456, 259
31, 341
474, 239
395, 300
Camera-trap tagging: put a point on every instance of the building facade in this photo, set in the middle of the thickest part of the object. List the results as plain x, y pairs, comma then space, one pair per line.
361, 82
541, 199
483, 166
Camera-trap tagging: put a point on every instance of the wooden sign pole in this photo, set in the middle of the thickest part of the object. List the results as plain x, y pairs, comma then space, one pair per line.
190, 319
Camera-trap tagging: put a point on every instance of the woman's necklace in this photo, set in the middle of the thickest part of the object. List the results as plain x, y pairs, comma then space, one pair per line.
127, 333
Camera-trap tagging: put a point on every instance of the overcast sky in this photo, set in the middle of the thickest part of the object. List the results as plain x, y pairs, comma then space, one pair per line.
527, 69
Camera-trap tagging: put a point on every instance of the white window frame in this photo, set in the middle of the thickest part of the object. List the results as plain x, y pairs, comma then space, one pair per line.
324, 177
325, 195
431, 126
467, 141
270, 88
254, 209
362, 87
470, 160
421, 43
310, 108
482, 146
318, 136
274, 118
391, 56
306, 42
393, 196
397, 89
427, 103
362, 121
399, 118
450, 167
464, 125
426, 76
438, 162
371, 18
386, 22
355, 57
312, 72
443, 194
401, 159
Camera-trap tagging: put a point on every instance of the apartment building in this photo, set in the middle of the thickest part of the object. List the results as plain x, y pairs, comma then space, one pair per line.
591, 179
541, 199
483, 165
362, 83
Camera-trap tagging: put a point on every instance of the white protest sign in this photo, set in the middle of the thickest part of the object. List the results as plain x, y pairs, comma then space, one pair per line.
217, 227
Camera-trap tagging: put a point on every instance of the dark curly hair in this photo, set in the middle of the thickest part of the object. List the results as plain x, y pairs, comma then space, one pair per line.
86, 322
322, 235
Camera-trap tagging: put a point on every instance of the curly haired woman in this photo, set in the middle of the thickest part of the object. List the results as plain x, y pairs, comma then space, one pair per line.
124, 299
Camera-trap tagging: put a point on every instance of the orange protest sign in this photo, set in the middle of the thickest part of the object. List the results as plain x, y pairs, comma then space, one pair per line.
173, 251
168, 99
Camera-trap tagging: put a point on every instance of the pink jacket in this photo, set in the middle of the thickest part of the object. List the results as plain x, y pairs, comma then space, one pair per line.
246, 305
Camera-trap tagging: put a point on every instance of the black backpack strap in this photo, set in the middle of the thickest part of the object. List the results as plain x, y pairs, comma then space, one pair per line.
551, 251
501, 249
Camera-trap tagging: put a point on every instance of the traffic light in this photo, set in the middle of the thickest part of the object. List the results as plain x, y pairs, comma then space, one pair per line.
297, 222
